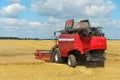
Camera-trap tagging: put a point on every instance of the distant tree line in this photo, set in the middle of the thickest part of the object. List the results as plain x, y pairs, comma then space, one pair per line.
17, 38
9, 38
113, 39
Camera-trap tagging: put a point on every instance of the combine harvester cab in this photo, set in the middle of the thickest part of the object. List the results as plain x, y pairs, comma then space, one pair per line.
79, 43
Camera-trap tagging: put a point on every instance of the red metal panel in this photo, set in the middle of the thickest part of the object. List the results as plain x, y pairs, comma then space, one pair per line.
98, 43
78, 43
43, 55
66, 43
86, 44
69, 42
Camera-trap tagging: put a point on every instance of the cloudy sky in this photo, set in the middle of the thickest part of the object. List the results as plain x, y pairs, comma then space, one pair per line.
40, 18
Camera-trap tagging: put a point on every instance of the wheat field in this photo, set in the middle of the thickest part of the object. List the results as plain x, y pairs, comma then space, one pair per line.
17, 63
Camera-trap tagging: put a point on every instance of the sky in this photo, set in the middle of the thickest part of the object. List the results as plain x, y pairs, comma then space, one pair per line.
40, 18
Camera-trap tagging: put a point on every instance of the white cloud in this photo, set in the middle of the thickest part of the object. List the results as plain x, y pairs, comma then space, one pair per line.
99, 12
12, 22
73, 8
53, 20
35, 24
15, 1
12, 10
18, 27
105, 23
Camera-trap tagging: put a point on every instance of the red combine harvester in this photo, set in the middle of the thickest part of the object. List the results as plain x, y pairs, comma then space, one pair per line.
76, 44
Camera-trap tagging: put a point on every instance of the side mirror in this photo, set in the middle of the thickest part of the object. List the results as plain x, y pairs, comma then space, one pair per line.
54, 33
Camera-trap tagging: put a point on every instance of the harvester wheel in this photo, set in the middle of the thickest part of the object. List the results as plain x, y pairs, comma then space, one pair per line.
100, 63
72, 60
56, 56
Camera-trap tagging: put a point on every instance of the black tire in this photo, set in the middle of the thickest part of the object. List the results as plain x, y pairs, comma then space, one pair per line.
100, 63
55, 57
72, 60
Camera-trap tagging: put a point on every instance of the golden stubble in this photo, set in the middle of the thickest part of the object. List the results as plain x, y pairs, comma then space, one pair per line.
17, 63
